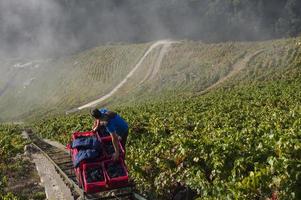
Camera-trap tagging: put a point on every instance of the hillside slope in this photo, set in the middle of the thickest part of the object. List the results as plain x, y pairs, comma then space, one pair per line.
239, 141
222, 119
35, 88
58, 84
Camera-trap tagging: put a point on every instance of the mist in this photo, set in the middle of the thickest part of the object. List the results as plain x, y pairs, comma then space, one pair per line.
45, 28
32, 28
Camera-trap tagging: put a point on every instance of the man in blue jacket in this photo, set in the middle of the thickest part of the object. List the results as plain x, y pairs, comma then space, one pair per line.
114, 124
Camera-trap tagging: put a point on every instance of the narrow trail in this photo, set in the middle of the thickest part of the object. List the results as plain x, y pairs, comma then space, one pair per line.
156, 67
236, 68
151, 74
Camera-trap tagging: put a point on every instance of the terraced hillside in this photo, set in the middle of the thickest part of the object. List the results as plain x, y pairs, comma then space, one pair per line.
32, 88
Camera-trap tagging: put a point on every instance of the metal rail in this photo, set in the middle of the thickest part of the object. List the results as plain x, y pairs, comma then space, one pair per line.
64, 166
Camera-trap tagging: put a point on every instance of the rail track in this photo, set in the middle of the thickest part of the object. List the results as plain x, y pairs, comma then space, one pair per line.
62, 162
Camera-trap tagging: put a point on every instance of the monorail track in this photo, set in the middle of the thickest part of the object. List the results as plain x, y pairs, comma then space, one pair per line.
63, 164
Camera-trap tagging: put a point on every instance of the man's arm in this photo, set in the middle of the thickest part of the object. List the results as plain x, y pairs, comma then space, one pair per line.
116, 145
95, 125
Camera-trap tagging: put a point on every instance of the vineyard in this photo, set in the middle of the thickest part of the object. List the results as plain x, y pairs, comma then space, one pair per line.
190, 68
239, 142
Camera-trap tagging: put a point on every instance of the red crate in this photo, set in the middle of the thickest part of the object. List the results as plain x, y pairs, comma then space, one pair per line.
96, 186
74, 152
76, 135
108, 141
77, 170
115, 182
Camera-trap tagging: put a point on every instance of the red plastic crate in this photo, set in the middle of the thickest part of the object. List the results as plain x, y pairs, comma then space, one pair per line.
76, 135
77, 170
108, 140
116, 181
97, 186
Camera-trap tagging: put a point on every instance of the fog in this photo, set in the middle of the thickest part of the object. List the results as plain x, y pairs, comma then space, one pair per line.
35, 28
31, 28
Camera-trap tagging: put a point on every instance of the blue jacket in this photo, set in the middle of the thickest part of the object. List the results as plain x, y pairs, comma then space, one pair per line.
117, 125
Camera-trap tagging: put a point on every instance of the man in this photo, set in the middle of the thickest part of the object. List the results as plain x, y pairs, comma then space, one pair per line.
114, 124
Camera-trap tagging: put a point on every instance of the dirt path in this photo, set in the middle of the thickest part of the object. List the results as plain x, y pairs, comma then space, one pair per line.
156, 67
165, 43
236, 68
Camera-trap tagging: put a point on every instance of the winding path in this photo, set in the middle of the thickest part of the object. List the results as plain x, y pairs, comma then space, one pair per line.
156, 67
164, 43
236, 68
